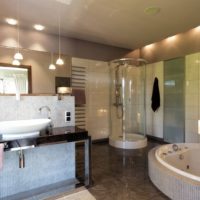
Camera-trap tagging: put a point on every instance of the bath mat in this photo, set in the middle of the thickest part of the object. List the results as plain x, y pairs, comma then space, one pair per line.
76, 195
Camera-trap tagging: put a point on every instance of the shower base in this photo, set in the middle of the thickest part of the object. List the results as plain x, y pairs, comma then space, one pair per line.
133, 141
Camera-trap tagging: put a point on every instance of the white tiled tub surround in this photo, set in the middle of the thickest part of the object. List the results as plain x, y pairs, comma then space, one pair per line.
174, 185
44, 165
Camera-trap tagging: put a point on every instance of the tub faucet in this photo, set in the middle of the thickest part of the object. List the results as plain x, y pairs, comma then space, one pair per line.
175, 147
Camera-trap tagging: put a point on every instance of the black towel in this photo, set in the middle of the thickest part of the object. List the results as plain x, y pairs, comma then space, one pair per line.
155, 99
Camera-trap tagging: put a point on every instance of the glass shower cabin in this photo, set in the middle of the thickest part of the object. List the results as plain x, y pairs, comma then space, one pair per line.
127, 102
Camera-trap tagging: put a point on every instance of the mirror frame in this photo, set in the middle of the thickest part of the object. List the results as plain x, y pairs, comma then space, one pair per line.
28, 67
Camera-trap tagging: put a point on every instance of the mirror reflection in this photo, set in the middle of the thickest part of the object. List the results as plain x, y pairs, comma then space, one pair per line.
42, 80
15, 79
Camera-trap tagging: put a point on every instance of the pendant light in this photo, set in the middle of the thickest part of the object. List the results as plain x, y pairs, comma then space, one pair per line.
59, 60
18, 55
16, 62
52, 66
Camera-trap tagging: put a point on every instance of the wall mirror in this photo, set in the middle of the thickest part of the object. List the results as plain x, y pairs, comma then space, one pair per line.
40, 79
15, 78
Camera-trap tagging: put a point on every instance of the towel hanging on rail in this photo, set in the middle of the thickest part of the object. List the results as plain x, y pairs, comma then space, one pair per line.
155, 99
79, 94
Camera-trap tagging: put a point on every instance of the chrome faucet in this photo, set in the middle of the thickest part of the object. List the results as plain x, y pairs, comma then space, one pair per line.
49, 114
175, 147
48, 109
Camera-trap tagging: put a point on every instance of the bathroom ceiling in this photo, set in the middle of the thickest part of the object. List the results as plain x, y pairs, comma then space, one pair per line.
121, 23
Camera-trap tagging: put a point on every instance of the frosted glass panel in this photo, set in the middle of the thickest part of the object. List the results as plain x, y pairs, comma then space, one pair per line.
174, 105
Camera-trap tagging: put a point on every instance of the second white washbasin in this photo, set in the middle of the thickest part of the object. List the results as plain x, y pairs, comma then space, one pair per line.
20, 129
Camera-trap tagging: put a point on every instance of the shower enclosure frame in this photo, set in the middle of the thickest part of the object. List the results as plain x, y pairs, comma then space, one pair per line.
141, 141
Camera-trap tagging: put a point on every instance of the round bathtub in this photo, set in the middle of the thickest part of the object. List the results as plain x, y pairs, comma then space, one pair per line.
175, 170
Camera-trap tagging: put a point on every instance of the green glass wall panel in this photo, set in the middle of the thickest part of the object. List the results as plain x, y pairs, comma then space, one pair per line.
174, 101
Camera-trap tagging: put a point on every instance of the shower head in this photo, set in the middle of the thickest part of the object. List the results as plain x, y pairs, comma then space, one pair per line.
128, 61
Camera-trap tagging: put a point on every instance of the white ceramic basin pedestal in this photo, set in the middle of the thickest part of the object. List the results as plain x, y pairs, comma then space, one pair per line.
22, 128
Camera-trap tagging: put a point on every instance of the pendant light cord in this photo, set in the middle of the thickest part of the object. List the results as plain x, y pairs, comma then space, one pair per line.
198, 103
59, 31
18, 24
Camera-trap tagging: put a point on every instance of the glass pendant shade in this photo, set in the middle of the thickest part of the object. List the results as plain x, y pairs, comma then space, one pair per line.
52, 67
18, 56
59, 61
16, 62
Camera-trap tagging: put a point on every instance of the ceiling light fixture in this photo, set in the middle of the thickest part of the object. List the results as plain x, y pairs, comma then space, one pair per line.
67, 2
59, 60
52, 66
11, 21
197, 28
149, 46
172, 38
18, 55
39, 27
16, 62
153, 10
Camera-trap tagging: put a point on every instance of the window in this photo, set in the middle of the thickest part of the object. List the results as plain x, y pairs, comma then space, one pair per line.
14, 78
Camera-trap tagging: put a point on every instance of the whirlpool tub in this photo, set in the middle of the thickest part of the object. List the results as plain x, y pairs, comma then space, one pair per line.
175, 170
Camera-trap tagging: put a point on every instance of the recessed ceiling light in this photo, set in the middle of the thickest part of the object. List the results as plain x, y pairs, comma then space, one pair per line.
149, 46
198, 28
11, 21
153, 10
39, 27
67, 2
172, 38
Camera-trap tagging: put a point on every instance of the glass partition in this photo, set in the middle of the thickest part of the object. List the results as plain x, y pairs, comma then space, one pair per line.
127, 101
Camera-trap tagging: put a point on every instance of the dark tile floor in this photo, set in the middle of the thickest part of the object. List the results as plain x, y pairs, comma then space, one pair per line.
122, 174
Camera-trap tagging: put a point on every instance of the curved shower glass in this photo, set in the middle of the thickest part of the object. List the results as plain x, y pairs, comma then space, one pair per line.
127, 100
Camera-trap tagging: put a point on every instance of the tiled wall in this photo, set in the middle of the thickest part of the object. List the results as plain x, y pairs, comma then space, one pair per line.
174, 104
192, 97
97, 96
154, 120
43, 165
27, 108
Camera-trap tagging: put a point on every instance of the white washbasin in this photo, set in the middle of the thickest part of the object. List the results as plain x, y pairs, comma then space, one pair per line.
20, 129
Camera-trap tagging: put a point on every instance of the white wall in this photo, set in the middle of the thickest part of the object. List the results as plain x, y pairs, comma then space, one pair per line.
154, 120
97, 96
192, 97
